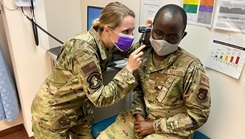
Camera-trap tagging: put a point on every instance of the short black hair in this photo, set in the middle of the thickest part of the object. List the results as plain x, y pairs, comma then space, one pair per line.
174, 9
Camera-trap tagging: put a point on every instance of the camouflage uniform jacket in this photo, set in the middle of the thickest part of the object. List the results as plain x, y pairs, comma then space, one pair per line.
175, 94
67, 97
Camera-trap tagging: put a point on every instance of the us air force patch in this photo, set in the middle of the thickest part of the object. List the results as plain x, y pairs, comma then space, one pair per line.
94, 80
202, 95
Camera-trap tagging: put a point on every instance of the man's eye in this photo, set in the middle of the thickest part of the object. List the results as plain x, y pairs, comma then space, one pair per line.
173, 37
159, 33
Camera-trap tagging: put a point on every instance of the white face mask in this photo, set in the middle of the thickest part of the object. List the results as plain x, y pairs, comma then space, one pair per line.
163, 47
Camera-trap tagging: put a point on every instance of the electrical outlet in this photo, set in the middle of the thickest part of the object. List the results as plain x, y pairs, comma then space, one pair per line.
25, 3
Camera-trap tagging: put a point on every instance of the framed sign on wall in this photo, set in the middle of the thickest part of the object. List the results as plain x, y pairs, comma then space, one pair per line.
92, 13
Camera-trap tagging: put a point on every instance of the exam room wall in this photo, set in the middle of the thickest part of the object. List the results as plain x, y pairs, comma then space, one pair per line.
226, 119
4, 124
227, 114
63, 19
31, 64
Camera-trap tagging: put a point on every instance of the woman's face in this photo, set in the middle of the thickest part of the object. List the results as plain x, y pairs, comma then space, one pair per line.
127, 27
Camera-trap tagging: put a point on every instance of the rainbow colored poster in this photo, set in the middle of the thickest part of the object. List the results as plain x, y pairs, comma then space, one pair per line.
199, 12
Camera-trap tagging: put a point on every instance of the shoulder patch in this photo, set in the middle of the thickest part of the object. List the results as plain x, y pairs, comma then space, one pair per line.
89, 68
204, 80
94, 80
202, 95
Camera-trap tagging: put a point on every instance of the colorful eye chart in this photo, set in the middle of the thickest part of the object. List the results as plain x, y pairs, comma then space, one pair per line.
226, 56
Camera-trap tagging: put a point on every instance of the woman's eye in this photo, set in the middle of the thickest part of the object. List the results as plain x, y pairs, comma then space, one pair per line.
126, 32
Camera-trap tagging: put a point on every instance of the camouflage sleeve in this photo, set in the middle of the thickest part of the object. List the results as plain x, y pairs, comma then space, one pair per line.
138, 100
87, 68
197, 101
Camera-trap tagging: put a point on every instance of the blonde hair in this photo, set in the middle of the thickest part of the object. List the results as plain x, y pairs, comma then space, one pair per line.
112, 16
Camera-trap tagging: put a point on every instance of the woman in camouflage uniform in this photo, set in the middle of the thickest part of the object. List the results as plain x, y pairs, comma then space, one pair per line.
63, 106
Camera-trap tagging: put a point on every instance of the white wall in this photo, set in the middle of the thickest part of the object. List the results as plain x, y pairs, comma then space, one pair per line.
3, 40
63, 19
31, 64
226, 119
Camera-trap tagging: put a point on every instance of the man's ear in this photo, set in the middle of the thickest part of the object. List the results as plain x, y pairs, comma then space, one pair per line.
185, 33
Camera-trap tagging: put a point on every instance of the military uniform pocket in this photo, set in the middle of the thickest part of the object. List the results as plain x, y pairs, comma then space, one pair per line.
163, 88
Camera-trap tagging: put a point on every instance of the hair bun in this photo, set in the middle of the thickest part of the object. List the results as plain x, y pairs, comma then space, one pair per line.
96, 23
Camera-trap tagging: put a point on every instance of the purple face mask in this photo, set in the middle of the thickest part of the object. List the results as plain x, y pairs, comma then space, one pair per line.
124, 41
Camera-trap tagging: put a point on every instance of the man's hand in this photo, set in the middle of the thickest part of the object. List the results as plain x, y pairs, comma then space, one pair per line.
144, 128
139, 117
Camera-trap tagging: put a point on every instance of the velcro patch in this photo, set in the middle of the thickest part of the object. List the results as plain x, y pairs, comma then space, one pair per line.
94, 80
172, 71
89, 68
204, 80
202, 95
86, 56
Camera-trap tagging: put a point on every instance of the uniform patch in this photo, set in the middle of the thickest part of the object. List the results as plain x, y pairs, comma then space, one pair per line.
94, 80
204, 80
172, 71
86, 56
88, 68
202, 95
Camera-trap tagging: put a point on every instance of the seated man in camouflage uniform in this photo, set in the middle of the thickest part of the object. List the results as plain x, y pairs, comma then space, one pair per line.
172, 99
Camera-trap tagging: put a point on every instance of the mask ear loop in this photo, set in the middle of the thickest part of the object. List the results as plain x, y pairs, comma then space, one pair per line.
113, 31
115, 44
114, 41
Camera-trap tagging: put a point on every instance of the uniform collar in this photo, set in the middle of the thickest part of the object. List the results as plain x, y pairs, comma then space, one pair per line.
99, 43
148, 63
